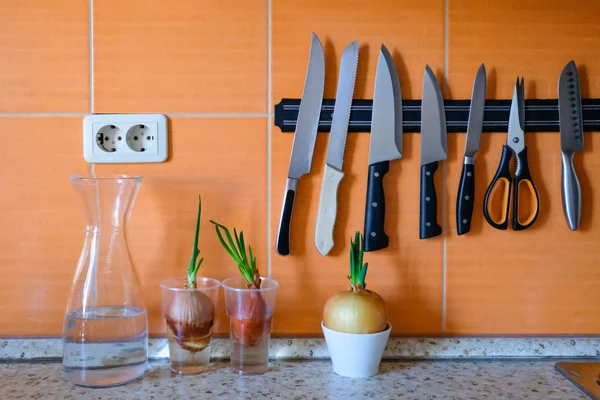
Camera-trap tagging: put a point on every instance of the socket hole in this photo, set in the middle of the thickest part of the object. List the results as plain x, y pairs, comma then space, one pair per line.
108, 137
140, 138
120, 138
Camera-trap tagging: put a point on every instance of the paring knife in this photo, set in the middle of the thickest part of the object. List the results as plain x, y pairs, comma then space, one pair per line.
571, 141
466, 187
433, 149
333, 173
386, 145
304, 139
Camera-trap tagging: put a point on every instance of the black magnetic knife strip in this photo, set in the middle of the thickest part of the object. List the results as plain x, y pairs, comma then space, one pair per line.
541, 115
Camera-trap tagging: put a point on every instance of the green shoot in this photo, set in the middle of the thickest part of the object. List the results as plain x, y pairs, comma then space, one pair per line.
196, 260
358, 270
245, 261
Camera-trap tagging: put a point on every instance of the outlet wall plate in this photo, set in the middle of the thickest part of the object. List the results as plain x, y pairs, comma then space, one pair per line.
125, 138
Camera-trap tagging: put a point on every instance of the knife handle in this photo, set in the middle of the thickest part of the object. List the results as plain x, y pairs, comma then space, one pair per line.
466, 197
327, 209
571, 192
428, 226
375, 237
283, 234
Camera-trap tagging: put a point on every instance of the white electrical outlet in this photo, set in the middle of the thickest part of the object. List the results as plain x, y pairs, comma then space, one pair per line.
125, 138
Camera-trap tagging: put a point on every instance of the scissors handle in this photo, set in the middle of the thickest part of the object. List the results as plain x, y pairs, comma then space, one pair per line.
500, 186
523, 181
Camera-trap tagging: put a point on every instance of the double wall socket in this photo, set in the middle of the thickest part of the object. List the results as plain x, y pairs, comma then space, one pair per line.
125, 138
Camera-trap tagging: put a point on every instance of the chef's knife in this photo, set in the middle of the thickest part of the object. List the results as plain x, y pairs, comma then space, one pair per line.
433, 149
571, 141
386, 145
333, 174
466, 187
304, 139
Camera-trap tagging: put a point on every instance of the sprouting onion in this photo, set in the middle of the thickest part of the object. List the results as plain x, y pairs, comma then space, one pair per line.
248, 320
356, 310
245, 261
192, 313
195, 260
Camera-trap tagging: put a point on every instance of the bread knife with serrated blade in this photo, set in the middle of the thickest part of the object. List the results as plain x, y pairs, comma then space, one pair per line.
333, 174
571, 141
304, 139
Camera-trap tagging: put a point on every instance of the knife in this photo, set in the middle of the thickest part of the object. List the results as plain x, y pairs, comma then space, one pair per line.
386, 145
571, 141
466, 187
433, 149
304, 139
333, 173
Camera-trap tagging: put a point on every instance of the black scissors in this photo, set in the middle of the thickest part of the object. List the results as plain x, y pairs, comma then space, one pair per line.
515, 145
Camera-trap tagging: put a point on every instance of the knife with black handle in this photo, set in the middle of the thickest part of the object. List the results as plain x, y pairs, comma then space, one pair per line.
375, 207
429, 226
304, 139
433, 149
385, 145
466, 188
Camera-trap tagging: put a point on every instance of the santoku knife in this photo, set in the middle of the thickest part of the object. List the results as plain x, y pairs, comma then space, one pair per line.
433, 149
333, 174
571, 141
466, 187
386, 145
304, 139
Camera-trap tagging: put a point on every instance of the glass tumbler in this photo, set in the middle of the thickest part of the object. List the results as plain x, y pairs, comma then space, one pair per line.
190, 314
250, 313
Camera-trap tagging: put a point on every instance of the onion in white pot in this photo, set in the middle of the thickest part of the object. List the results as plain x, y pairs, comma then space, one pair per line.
356, 310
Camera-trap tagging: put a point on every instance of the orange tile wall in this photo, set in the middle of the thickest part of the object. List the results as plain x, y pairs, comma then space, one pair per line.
216, 69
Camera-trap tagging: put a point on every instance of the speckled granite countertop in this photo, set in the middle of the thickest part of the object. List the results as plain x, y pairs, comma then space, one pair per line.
308, 380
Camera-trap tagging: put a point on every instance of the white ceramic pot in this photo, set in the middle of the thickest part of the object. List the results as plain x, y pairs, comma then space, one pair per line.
356, 355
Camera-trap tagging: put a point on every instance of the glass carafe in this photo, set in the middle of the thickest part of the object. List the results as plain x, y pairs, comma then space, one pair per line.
105, 331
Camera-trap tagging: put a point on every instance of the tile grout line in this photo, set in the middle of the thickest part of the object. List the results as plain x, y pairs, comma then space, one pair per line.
269, 138
217, 115
43, 114
91, 60
444, 178
91, 44
189, 115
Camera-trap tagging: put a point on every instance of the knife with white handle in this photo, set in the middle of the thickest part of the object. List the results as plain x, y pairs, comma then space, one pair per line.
304, 139
333, 174
571, 141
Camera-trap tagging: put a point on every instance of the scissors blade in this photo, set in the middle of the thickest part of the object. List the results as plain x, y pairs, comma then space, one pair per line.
516, 120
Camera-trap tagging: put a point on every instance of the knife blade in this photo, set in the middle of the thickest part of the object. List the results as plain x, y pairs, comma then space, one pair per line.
304, 139
385, 145
571, 141
333, 173
433, 149
466, 188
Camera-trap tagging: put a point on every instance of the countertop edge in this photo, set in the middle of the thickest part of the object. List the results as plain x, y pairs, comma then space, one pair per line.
13, 349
